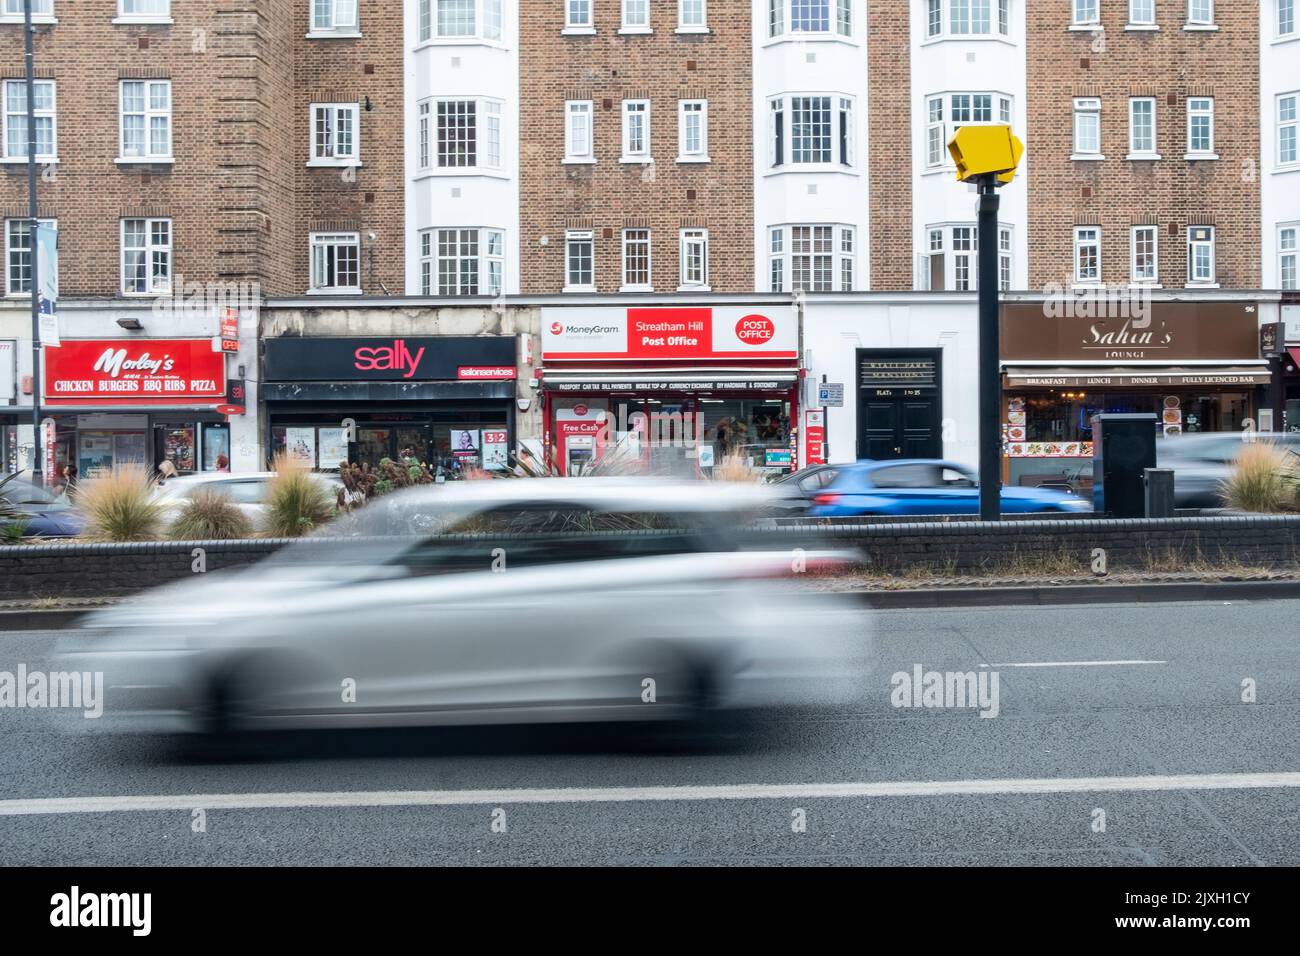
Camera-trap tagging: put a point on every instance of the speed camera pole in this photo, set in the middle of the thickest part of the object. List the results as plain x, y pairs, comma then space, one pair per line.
38, 446
987, 156
990, 371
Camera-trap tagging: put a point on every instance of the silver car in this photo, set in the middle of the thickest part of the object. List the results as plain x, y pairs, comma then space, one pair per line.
1203, 460
247, 490
503, 601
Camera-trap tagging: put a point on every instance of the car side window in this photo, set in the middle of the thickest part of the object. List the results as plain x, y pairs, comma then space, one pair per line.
905, 476
245, 492
952, 478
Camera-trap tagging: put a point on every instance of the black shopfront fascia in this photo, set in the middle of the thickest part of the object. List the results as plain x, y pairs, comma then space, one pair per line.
394, 382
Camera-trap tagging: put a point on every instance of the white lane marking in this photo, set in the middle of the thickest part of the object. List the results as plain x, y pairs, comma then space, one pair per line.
1074, 664
743, 791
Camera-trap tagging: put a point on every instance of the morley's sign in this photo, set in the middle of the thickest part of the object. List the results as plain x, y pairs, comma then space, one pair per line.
669, 333
1170, 332
134, 372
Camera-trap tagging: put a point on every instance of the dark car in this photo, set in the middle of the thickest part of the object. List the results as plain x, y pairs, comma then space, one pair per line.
37, 509
798, 488
925, 487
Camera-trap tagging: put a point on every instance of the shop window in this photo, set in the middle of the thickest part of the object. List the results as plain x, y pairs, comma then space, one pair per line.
754, 430
335, 262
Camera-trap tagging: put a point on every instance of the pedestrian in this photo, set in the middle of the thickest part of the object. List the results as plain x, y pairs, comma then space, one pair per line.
223, 463
70, 479
166, 470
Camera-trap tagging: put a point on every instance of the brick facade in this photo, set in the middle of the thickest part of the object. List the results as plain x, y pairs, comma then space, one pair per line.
889, 98
609, 196
239, 197
1169, 64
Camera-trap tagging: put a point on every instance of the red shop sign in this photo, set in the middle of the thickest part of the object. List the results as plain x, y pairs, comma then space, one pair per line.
137, 372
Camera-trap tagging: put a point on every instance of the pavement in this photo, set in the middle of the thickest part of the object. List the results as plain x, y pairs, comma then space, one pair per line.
1121, 739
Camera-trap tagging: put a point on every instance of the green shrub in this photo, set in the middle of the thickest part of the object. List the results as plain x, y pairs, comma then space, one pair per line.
210, 516
120, 505
295, 501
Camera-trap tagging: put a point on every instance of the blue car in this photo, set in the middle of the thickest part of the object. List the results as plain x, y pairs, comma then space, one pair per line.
925, 487
37, 510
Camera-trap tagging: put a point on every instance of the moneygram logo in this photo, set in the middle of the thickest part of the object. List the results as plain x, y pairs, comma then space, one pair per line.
584, 330
557, 328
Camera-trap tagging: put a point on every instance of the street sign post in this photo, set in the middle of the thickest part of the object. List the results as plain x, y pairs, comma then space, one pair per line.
988, 157
831, 394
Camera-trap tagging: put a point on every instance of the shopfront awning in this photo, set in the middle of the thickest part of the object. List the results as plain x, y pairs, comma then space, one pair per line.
670, 380
1163, 376
385, 391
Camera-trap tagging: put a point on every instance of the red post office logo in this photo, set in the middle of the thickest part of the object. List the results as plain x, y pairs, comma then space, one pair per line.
755, 329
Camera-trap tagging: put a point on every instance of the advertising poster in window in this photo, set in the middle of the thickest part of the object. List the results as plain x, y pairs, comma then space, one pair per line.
300, 444
495, 450
464, 443
333, 447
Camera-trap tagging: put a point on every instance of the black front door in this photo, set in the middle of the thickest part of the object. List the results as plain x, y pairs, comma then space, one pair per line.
899, 408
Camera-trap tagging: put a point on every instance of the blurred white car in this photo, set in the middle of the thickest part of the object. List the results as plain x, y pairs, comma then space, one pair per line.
506, 601
1202, 461
247, 490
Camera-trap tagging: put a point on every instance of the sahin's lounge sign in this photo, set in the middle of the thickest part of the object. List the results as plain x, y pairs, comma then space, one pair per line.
1170, 332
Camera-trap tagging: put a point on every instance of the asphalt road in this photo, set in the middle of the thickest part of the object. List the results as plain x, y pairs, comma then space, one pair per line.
1138, 716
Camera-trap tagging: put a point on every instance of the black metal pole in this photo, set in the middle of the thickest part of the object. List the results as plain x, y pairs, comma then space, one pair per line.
38, 446
990, 370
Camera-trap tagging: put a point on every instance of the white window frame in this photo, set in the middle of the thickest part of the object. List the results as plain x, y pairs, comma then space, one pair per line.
1142, 19
840, 21
11, 11
489, 267
941, 20
1080, 279
334, 112
149, 114
1288, 256
572, 236
941, 239
702, 26
153, 16
1085, 13
1133, 277
424, 134
627, 19
686, 108
52, 114
1200, 22
328, 240
342, 19
572, 109
783, 106
575, 26
840, 253
1294, 20
1134, 152
940, 127
1291, 125
150, 248
1193, 244
488, 27
1087, 109
626, 240
643, 154
1194, 113
11, 278
487, 160
686, 240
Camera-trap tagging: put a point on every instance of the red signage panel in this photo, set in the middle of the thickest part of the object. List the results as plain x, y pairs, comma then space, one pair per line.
134, 372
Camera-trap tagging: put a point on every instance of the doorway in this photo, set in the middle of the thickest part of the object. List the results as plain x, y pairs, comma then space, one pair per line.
900, 413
